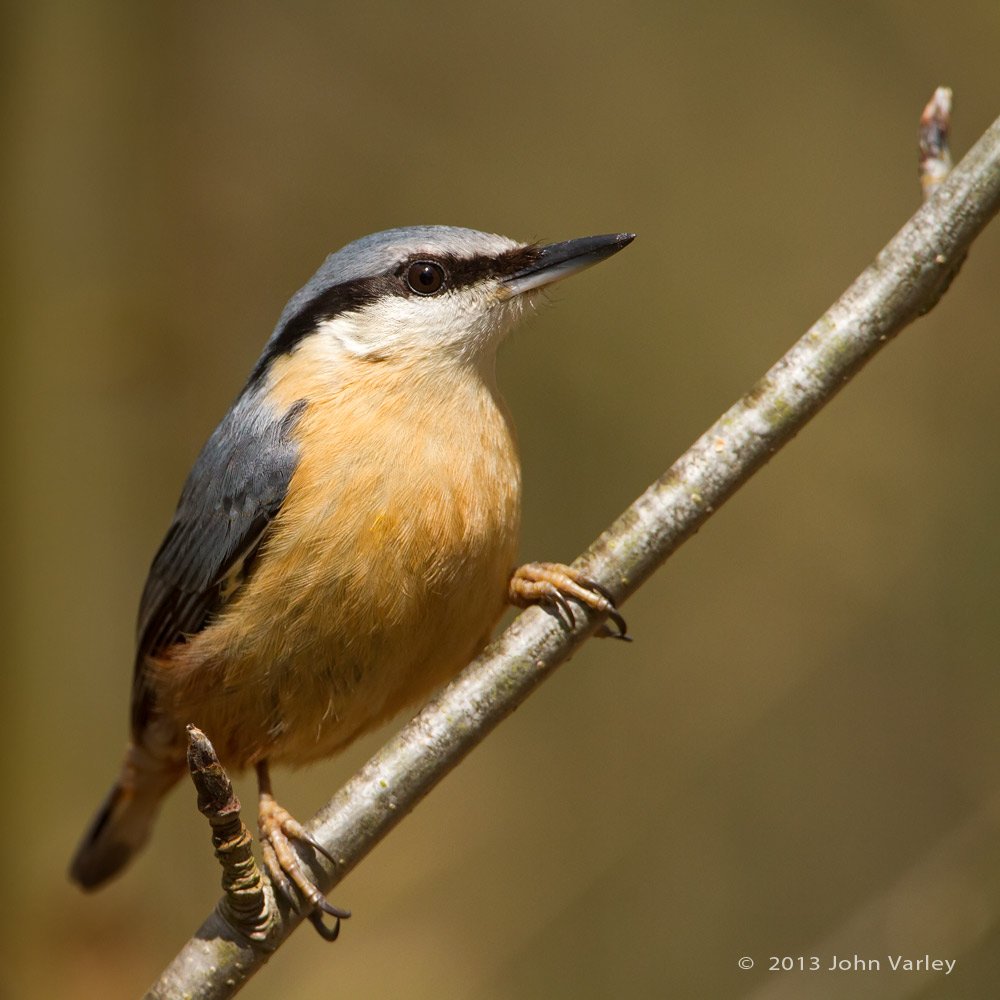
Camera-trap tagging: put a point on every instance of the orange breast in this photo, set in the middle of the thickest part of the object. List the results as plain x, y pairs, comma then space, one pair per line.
383, 574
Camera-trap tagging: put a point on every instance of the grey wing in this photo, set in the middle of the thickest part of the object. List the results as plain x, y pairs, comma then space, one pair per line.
233, 492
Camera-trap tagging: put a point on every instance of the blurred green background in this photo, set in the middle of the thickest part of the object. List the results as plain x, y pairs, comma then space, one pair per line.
799, 755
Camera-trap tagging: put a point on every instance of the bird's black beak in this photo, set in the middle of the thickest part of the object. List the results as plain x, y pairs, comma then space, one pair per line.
559, 260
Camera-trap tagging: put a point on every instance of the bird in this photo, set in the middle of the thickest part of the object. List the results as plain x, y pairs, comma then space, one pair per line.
346, 540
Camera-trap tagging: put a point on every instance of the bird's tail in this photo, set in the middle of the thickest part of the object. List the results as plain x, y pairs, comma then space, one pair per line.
125, 818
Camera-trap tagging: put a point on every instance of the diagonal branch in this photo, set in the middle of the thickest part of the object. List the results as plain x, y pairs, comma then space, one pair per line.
906, 280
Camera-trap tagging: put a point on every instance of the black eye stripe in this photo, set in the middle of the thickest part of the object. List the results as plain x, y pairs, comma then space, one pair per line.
464, 271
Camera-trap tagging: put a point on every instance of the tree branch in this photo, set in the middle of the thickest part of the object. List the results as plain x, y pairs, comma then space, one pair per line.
906, 280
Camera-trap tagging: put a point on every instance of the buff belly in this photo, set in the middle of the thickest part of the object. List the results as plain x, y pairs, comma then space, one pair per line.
384, 573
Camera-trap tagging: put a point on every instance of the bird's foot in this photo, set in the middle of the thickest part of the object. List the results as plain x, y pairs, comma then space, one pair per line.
553, 584
278, 828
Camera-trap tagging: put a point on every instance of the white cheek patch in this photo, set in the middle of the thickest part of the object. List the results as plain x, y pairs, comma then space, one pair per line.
345, 335
466, 322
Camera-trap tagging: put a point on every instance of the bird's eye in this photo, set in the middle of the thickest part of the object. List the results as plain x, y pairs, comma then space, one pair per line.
425, 277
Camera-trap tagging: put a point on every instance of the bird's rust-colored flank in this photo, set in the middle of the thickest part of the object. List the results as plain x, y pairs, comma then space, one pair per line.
391, 554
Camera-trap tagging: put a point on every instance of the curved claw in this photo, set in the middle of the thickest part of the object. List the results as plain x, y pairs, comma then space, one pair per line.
555, 596
316, 919
277, 829
334, 911
620, 624
318, 847
620, 630
326, 933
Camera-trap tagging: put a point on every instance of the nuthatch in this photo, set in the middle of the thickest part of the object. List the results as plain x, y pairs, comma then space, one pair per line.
346, 539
